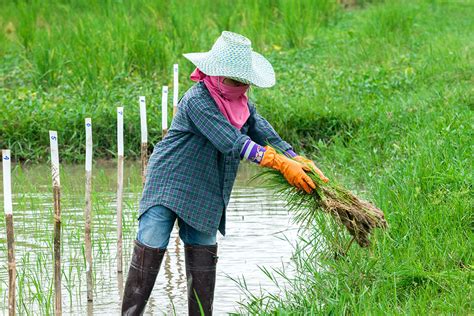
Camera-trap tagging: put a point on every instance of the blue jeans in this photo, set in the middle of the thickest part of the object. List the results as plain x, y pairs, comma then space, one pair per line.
156, 224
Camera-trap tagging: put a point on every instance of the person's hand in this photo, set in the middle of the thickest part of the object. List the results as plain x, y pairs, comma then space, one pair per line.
292, 170
311, 166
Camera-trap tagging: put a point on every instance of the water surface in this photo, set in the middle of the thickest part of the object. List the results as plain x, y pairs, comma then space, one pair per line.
260, 233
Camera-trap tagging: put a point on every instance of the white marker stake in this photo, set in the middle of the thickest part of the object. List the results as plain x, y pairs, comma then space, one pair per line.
144, 130
175, 88
119, 186
53, 140
7, 201
164, 111
88, 210
7, 186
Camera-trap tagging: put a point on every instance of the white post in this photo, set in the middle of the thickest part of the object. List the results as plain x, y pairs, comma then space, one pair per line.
164, 111
88, 209
7, 201
144, 132
120, 162
175, 88
7, 188
53, 140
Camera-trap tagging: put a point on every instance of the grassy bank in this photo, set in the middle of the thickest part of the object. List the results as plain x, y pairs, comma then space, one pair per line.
388, 93
62, 62
382, 96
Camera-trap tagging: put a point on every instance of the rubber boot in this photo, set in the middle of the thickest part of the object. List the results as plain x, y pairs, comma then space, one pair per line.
201, 276
141, 278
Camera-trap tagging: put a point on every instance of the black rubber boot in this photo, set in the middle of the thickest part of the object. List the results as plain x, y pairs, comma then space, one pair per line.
201, 275
141, 278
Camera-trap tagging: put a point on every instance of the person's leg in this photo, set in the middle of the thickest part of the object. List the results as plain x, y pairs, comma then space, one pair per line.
200, 252
154, 229
155, 226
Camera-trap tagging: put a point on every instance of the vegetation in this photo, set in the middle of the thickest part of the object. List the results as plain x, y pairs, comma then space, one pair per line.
383, 102
64, 61
380, 96
33, 220
360, 217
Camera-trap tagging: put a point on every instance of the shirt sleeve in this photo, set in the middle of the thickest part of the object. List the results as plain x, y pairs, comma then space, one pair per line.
263, 133
212, 124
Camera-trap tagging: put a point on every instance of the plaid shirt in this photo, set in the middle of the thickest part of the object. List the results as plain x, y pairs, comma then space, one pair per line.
192, 170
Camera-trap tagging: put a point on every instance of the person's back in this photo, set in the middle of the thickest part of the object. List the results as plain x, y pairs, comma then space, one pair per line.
186, 169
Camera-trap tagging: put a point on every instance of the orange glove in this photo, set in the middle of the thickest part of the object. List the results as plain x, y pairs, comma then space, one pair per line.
292, 170
311, 166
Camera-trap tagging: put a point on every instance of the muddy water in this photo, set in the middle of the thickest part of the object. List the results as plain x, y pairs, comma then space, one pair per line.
260, 233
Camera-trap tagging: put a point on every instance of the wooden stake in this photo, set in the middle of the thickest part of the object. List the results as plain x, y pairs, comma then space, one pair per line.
53, 140
7, 202
164, 111
144, 132
120, 285
88, 210
120, 162
175, 88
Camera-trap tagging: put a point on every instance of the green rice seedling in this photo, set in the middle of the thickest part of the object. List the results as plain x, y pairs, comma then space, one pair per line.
358, 216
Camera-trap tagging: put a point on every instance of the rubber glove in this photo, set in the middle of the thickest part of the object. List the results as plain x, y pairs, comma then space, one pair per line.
292, 170
311, 166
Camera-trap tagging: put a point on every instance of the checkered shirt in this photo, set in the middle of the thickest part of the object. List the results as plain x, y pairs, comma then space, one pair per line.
192, 170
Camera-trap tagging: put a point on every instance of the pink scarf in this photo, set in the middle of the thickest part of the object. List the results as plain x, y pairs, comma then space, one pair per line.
232, 101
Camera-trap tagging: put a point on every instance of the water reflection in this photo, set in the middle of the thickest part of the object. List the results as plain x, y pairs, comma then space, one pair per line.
259, 233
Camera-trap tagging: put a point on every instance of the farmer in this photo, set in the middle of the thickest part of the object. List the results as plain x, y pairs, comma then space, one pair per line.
192, 170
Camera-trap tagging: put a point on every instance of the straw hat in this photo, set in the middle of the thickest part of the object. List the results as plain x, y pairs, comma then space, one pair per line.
232, 56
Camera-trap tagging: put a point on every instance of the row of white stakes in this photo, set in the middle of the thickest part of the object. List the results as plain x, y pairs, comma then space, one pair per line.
53, 136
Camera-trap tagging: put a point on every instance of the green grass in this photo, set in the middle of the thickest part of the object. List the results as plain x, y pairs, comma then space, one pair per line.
62, 62
381, 97
383, 101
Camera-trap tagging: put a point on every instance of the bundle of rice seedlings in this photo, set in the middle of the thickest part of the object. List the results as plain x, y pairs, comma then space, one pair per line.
358, 216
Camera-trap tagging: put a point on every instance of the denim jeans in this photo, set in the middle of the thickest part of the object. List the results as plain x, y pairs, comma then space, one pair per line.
156, 224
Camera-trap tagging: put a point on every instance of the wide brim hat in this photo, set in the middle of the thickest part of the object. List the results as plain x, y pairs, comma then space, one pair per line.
232, 56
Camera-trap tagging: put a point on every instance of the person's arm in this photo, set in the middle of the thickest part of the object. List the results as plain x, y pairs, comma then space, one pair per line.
262, 132
252, 151
293, 171
210, 122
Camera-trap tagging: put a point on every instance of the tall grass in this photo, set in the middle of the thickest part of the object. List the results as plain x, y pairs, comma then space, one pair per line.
62, 61
107, 39
392, 84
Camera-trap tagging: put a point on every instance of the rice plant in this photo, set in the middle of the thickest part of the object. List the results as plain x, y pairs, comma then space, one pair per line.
358, 216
